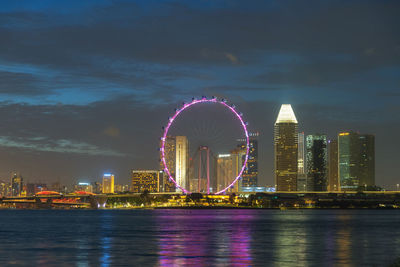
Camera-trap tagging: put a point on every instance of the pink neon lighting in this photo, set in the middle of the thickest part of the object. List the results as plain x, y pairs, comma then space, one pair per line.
179, 111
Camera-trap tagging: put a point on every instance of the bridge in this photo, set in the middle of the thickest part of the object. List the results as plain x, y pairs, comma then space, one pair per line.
366, 199
43, 201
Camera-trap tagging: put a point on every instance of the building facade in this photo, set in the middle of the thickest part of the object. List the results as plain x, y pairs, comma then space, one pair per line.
250, 175
108, 183
356, 153
145, 180
225, 170
300, 155
286, 149
302, 181
238, 157
16, 185
333, 165
182, 162
317, 161
166, 185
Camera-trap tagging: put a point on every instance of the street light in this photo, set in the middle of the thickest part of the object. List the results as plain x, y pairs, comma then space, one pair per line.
397, 187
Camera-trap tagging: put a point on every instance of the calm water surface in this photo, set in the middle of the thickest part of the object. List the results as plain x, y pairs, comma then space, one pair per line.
199, 237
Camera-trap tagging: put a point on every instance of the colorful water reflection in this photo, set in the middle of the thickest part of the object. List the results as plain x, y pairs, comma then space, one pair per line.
185, 238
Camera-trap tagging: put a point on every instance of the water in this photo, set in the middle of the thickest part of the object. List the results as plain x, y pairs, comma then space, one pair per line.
199, 237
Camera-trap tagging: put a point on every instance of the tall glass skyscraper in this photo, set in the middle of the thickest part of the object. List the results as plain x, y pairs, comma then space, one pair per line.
302, 184
177, 160
356, 160
16, 185
317, 161
250, 174
300, 157
170, 157
182, 162
333, 175
286, 149
225, 170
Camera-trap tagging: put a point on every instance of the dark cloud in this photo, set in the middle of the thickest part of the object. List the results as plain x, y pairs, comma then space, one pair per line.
181, 33
19, 84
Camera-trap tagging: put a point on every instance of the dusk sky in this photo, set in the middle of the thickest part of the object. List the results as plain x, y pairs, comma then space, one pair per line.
85, 86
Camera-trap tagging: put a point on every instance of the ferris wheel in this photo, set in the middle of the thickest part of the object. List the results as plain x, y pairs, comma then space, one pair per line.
171, 121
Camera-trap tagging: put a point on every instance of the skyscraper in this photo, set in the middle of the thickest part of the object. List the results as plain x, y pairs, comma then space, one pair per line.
317, 161
225, 170
250, 174
16, 184
333, 175
182, 161
170, 157
300, 156
238, 156
356, 160
143, 180
301, 175
286, 149
108, 183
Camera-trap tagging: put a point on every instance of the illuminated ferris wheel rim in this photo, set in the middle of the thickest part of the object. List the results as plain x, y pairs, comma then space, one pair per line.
186, 106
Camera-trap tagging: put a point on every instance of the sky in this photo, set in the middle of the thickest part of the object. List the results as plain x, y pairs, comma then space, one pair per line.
85, 86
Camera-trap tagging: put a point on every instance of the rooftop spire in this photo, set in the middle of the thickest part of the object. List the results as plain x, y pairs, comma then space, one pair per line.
286, 115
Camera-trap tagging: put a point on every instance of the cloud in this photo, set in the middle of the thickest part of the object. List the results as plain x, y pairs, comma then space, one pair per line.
19, 84
179, 33
120, 48
59, 146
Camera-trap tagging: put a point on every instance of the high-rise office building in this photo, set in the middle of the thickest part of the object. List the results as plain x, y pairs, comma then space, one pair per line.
225, 171
182, 161
302, 184
300, 154
166, 185
333, 166
356, 153
16, 185
250, 174
317, 161
286, 149
108, 183
238, 157
143, 180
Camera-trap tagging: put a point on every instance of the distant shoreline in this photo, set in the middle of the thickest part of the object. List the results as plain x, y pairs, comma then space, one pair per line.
206, 208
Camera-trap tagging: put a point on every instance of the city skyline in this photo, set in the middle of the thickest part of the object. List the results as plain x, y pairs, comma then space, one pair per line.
285, 116
84, 92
